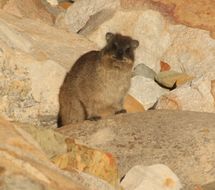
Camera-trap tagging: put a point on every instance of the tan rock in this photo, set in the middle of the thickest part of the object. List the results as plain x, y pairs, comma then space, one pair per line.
168, 78
2, 3
197, 16
156, 137
23, 164
34, 58
209, 186
33, 9
188, 54
51, 142
195, 96
66, 154
88, 160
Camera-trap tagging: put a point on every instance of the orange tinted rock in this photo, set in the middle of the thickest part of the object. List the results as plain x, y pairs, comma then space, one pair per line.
132, 105
65, 5
197, 14
164, 66
89, 160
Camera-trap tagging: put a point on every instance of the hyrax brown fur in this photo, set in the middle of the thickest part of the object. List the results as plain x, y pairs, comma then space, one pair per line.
98, 82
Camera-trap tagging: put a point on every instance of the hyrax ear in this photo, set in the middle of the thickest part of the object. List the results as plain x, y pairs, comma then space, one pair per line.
135, 44
109, 36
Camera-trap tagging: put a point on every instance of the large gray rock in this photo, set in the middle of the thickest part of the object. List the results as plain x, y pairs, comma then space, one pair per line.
184, 141
77, 15
146, 91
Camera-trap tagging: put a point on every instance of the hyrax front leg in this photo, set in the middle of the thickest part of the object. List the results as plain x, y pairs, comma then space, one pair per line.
92, 110
119, 107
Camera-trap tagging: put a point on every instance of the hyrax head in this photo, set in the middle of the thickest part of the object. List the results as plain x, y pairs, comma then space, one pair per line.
120, 47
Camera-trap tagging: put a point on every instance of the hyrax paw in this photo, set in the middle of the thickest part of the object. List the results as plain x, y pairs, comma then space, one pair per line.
121, 111
94, 118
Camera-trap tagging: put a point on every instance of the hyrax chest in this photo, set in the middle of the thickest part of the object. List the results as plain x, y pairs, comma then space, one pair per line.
113, 77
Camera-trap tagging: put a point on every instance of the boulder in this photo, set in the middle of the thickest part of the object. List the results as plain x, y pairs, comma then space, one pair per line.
157, 176
143, 70
169, 78
95, 168
146, 91
34, 58
197, 95
182, 140
78, 15
132, 105
23, 165
2, 3
196, 17
209, 186
33, 9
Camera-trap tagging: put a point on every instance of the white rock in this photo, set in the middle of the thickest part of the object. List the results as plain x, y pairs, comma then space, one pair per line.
155, 177
53, 2
191, 51
195, 96
142, 70
145, 90
78, 14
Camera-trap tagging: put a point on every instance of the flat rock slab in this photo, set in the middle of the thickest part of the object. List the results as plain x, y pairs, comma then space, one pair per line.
182, 140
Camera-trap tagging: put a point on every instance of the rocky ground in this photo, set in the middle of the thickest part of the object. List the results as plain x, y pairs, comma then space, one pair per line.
171, 147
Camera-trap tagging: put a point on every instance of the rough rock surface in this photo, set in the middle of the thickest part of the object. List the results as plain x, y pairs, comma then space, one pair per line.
146, 91
143, 70
190, 13
209, 186
184, 141
157, 176
97, 169
2, 3
24, 166
84, 9
33, 63
33, 9
197, 95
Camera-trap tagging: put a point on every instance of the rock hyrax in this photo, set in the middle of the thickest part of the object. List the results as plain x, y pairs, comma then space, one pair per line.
98, 82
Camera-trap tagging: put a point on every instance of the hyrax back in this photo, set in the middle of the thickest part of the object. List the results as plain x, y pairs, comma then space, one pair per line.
98, 82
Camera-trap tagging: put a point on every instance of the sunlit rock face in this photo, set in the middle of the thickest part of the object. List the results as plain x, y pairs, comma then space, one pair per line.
34, 58
197, 14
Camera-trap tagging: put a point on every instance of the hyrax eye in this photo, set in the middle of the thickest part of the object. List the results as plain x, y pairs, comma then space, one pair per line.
127, 50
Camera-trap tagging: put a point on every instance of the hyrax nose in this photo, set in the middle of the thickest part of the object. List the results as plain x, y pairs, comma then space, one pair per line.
120, 53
